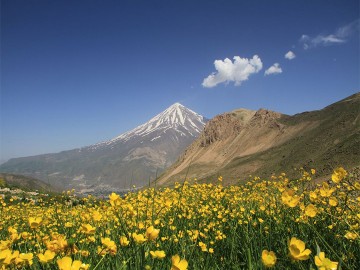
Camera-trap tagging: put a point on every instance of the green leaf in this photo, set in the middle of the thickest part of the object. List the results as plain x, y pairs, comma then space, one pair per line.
317, 249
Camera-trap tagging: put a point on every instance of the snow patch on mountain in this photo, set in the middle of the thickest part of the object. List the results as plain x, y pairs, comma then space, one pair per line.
153, 139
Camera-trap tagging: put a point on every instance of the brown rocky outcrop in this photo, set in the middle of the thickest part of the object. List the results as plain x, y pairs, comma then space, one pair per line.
220, 127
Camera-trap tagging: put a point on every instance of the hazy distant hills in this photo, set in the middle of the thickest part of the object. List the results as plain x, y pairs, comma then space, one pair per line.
24, 183
133, 158
263, 142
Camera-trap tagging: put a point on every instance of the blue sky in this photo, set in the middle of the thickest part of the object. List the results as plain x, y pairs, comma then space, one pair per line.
74, 73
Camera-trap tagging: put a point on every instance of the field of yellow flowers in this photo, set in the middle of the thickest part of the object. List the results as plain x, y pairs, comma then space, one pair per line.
276, 223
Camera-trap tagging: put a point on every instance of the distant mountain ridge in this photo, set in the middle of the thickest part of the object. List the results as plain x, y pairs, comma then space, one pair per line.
264, 142
132, 158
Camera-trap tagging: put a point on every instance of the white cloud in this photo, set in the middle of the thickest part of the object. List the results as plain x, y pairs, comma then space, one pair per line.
341, 35
274, 69
237, 71
290, 55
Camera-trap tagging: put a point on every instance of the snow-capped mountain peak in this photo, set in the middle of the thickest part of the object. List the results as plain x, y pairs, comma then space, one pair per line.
177, 117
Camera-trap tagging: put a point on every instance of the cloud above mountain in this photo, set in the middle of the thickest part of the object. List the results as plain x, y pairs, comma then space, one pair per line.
340, 35
235, 71
274, 69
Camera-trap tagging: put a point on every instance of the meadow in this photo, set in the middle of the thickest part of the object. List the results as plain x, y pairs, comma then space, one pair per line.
277, 223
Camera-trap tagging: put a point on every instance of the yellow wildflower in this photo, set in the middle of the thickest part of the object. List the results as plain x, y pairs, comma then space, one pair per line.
14, 237
178, 264
325, 190
115, 199
323, 263
58, 244
357, 185
24, 258
289, 199
12, 230
87, 229
152, 233
333, 201
4, 244
339, 174
312, 195
351, 236
268, 258
25, 235
84, 253
7, 257
202, 246
139, 238
311, 210
84, 266
96, 216
109, 245
67, 263
34, 222
297, 250
48, 256
4, 255
124, 241
158, 254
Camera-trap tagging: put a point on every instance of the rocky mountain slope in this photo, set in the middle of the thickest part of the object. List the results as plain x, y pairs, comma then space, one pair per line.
132, 158
263, 142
